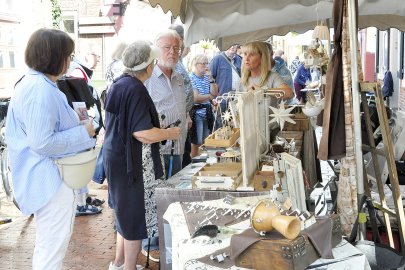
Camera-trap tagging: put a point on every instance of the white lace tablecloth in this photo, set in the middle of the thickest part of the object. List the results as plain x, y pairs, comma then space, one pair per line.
185, 251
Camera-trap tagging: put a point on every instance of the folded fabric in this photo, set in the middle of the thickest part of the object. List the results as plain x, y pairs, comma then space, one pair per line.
320, 234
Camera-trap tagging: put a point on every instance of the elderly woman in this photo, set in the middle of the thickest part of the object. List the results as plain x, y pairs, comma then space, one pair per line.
205, 89
131, 152
114, 69
257, 72
42, 127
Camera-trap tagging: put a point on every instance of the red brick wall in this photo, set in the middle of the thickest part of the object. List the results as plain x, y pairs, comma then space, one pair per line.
85, 8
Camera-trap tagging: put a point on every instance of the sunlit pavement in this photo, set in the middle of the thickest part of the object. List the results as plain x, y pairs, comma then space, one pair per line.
92, 245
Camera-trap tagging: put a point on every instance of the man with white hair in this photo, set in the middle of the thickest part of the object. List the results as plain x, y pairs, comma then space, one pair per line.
166, 88
188, 90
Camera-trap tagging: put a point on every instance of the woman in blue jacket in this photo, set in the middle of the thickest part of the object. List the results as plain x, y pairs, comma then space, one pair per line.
302, 78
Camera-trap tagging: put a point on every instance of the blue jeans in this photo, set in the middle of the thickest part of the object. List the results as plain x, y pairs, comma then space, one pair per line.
202, 130
176, 167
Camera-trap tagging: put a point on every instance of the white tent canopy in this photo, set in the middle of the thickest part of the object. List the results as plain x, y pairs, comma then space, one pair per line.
239, 21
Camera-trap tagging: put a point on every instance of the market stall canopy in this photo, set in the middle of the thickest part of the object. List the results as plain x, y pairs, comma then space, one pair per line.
238, 21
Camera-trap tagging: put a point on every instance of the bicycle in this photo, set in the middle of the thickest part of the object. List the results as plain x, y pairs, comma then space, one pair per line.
6, 179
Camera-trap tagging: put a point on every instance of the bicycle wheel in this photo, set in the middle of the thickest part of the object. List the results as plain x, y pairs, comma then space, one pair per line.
6, 177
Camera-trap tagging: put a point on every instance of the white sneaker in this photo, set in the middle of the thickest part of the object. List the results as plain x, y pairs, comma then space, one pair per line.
114, 267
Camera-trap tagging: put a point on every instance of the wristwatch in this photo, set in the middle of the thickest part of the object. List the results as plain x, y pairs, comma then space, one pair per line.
213, 81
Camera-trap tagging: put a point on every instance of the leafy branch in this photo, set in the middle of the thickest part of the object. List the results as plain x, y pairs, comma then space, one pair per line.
56, 14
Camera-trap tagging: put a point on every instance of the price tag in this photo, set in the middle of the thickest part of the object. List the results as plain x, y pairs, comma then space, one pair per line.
362, 218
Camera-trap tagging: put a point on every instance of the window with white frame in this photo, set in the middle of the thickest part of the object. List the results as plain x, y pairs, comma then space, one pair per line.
69, 23
11, 56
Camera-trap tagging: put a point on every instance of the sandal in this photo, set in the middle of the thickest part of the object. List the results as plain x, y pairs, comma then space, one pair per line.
87, 210
94, 202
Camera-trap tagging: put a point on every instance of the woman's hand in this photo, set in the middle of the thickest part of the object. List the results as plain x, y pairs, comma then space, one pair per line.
173, 133
90, 129
252, 88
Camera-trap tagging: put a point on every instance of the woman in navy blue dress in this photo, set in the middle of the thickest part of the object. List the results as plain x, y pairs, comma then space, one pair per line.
131, 153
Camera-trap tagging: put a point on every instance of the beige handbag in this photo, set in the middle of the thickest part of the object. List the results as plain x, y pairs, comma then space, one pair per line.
76, 171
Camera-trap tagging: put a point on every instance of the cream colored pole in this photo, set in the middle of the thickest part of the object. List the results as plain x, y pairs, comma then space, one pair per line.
356, 104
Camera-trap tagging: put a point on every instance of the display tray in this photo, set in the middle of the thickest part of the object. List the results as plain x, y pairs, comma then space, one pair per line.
211, 140
218, 176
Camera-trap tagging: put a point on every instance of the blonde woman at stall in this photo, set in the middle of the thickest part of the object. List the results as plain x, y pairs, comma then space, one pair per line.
256, 71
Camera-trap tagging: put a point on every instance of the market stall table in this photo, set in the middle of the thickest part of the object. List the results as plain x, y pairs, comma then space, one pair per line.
186, 251
178, 189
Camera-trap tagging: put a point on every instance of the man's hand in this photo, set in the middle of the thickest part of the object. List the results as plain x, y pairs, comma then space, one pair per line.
173, 133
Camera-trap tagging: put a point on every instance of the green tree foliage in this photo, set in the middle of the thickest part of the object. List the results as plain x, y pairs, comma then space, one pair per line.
56, 12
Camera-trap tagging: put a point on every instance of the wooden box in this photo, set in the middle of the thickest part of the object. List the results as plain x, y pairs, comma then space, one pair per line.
279, 253
263, 180
298, 137
218, 176
301, 124
302, 121
213, 142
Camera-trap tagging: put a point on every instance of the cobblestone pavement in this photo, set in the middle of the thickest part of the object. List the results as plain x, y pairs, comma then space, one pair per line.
92, 245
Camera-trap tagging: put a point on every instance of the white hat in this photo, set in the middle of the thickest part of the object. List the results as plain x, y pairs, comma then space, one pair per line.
155, 53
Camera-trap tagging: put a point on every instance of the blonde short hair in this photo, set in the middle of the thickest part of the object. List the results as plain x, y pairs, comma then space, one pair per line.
119, 49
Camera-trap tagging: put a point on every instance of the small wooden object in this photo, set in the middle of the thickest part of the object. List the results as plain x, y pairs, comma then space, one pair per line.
263, 180
213, 141
218, 176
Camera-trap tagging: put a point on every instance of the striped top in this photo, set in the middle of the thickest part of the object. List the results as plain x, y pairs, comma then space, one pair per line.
202, 85
170, 100
188, 89
41, 127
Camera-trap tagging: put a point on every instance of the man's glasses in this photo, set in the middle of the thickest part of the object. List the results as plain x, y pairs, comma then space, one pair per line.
169, 48
205, 63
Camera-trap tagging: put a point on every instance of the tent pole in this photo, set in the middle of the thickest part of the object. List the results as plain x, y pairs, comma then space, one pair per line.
356, 105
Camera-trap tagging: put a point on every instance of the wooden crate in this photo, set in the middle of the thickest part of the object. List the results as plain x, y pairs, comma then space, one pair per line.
212, 142
218, 176
263, 180
298, 137
301, 124
278, 253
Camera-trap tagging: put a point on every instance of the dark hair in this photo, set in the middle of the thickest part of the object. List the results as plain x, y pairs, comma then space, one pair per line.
47, 51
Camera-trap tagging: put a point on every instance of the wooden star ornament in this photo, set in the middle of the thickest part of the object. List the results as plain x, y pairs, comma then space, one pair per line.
281, 115
226, 116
